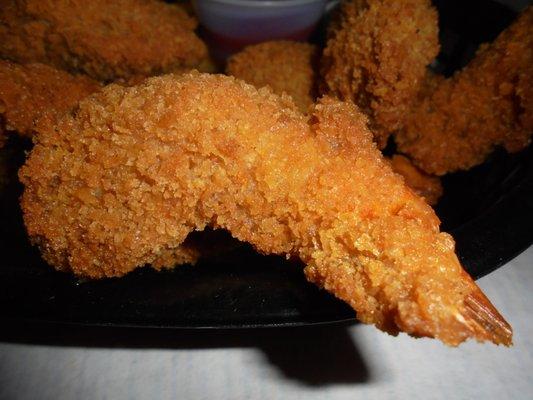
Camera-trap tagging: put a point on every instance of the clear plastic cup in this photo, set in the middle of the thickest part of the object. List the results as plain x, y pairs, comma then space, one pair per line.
230, 25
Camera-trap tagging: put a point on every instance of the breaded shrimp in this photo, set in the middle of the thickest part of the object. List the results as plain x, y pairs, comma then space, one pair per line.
426, 186
285, 66
457, 122
106, 40
289, 67
121, 184
33, 93
376, 55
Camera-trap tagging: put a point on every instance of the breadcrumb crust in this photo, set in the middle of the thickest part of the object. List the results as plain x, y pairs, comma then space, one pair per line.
35, 93
376, 56
285, 66
106, 40
457, 122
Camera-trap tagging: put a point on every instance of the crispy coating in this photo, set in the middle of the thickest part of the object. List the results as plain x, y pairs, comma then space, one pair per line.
426, 186
35, 93
105, 39
122, 182
285, 66
376, 56
458, 122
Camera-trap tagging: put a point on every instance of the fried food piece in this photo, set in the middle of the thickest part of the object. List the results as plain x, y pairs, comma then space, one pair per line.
123, 181
426, 186
457, 122
106, 40
36, 93
376, 56
285, 66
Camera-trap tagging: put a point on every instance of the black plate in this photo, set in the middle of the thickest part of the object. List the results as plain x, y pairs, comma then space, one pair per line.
488, 209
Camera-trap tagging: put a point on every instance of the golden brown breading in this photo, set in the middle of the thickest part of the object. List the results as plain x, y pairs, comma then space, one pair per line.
376, 56
426, 186
285, 66
123, 181
106, 40
458, 122
33, 93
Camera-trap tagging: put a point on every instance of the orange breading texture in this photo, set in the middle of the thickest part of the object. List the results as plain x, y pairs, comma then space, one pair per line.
33, 93
376, 56
123, 181
105, 39
426, 186
285, 66
457, 122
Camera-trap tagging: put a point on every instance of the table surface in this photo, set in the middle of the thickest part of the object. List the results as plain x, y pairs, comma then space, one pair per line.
328, 362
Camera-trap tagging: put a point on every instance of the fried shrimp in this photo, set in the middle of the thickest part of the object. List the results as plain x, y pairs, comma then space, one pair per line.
376, 56
457, 122
287, 67
123, 181
33, 93
107, 40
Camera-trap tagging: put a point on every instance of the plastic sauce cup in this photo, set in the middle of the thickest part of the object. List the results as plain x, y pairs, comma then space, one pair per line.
230, 25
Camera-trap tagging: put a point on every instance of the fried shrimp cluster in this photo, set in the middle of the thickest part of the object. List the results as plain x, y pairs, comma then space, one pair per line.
376, 56
35, 93
106, 40
124, 180
285, 66
457, 122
